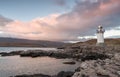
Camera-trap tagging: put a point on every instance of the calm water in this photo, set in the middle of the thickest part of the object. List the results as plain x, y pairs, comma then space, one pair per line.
9, 49
15, 65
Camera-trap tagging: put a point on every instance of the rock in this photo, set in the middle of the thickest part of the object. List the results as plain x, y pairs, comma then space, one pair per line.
35, 75
10, 53
60, 74
81, 52
78, 69
93, 56
34, 53
39, 53
69, 62
99, 68
6, 54
60, 47
118, 72
95, 61
65, 74
117, 56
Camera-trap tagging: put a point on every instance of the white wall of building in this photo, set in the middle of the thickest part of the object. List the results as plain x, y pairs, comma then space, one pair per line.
100, 38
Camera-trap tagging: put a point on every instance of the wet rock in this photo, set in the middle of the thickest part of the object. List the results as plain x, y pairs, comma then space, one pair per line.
39, 53
65, 74
35, 75
60, 74
69, 62
6, 54
33, 53
10, 53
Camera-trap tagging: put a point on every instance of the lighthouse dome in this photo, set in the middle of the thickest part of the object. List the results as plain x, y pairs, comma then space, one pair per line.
100, 27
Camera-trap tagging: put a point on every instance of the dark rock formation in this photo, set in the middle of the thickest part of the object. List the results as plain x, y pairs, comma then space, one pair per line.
69, 62
95, 61
100, 68
98, 61
65, 74
93, 56
60, 74
10, 53
82, 52
39, 53
35, 75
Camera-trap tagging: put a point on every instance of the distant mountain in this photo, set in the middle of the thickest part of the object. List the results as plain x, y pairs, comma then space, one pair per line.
111, 41
15, 42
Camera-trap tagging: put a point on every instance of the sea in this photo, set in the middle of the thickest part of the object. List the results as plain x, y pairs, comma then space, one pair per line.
16, 65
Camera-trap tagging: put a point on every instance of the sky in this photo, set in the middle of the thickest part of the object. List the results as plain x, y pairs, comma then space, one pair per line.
59, 20
26, 10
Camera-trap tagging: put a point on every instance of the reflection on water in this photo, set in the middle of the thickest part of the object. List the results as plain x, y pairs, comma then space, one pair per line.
15, 65
9, 49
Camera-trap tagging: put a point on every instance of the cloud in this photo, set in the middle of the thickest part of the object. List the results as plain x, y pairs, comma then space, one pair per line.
112, 33
4, 20
88, 14
82, 21
115, 32
40, 28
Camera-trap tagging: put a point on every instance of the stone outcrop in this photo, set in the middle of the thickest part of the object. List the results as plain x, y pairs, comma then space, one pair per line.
40, 53
60, 74
95, 69
64, 74
10, 53
69, 62
35, 75
99, 68
95, 61
82, 52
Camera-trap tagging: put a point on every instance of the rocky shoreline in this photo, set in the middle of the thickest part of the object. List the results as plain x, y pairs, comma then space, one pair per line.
95, 61
60, 74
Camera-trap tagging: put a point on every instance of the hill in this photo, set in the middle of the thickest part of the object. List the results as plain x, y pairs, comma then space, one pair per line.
108, 42
15, 42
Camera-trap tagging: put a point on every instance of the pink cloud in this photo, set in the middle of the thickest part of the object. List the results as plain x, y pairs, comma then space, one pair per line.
81, 21
39, 28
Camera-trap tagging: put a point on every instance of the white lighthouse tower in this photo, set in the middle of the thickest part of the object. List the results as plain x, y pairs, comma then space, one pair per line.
100, 36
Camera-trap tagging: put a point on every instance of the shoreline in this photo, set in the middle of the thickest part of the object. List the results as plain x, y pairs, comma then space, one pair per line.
94, 60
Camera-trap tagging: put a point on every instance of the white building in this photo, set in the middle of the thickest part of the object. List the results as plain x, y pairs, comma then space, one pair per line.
100, 35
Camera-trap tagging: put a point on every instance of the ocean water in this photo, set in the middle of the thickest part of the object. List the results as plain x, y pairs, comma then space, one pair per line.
9, 49
15, 65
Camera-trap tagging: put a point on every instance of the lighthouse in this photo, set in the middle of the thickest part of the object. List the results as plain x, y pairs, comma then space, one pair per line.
100, 36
